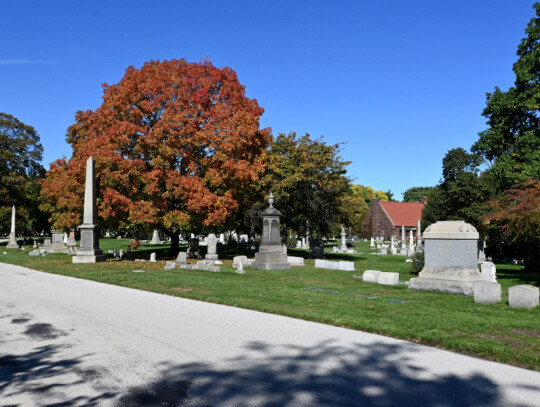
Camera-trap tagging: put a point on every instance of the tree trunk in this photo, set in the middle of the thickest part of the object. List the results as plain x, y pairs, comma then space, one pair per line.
175, 242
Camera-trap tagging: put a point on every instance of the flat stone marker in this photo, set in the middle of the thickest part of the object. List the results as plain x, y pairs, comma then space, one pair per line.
523, 296
170, 266
386, 278
138, 271
486, 292
371, 276
334, 265
34, 253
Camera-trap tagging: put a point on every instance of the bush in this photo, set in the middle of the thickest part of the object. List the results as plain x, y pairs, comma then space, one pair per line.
417, 262
134, 244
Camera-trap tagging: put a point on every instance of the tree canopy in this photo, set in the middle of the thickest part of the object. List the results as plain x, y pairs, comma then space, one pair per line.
511, 143
307, 177
20, 166
177, 147
356, 203
415, 194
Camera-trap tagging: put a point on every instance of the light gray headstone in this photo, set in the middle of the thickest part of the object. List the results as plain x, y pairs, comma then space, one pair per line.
240, 259
523, 296
486, 292
240, 269
181, 258
152, 257
170, 265
489, 271
295, 261
371, 276
386, 278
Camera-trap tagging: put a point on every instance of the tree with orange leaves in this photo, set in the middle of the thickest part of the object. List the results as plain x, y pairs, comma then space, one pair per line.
177, 147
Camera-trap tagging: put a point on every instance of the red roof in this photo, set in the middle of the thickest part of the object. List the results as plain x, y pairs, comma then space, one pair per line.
404, 213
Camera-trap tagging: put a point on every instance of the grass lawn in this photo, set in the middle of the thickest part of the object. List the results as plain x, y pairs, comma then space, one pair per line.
454, 322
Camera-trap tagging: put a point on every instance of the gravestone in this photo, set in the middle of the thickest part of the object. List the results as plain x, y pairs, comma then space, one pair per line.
57, 242
271, 255
155, 238
489, 271
193, 249
153, 257
181, 259
523, 296
211, 247
387, 278
419, 237
334, 265
384, 252
371, 276
46, 244
89, 252
403, 238
71, 239
450, 259
296, 261
316, 248
170, 265
372, 244
240, 269
12, 244
486, 292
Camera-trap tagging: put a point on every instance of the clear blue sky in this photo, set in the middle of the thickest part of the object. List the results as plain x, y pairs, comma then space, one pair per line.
401, 82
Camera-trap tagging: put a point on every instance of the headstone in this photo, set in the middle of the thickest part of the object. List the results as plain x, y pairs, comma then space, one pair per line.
57, 242
270, 255
155, 238
153, 257
65, 239
295, 261
523, 296
411, 243
121, 255
486, 292
450, 259
372, 244
35, 244
334, 265
304, 243
206, 265
193, 249
239, 260
171, 265
89, 252
212, 247
12, 244
371, 276
402, 237
181, 259
46, 244
34, 253
481, 254
384, 252
489, 271
386, 278
240, 269
316, 248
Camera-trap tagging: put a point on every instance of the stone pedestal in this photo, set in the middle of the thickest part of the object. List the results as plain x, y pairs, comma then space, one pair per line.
450, 259
271, 255
155, 238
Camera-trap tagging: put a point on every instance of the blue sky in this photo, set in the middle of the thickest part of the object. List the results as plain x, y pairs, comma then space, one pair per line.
401, 82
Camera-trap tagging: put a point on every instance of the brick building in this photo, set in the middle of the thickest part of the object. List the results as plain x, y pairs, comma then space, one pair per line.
386, 219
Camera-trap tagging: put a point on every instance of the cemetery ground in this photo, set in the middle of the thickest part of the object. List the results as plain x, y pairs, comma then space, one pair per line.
452, 322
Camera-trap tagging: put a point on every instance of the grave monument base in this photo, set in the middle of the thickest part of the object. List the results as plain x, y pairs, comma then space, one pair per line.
12, 242
271, 261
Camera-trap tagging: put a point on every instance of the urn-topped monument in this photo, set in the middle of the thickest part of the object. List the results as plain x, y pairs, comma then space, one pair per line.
270, 255
450, 259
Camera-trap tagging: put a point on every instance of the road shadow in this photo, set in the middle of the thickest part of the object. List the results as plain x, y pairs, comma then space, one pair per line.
379, 374
40, 373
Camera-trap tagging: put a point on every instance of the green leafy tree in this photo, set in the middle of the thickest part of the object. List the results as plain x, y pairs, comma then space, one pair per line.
355, 204
308, 178
415, 194
20, 167
461, 193
511, 143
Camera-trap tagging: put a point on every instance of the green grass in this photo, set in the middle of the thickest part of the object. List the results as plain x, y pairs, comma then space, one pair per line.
454, 322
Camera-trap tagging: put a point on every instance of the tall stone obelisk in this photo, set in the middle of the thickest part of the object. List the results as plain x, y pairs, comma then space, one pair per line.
89, 252
12, 240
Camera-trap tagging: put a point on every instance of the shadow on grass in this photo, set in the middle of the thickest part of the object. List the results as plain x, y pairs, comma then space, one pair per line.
513, 272
329, 375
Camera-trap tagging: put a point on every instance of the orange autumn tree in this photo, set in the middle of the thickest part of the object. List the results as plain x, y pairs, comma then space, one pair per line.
177, 147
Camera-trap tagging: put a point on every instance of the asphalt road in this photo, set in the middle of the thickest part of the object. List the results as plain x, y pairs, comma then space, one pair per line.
71, 342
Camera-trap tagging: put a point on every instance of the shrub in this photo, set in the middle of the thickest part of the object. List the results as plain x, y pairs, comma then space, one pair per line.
134, 244
417, 262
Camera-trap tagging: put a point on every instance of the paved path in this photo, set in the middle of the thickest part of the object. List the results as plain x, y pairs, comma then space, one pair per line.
70, 342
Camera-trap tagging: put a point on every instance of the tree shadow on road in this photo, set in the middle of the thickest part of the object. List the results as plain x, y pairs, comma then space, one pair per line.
379, 374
